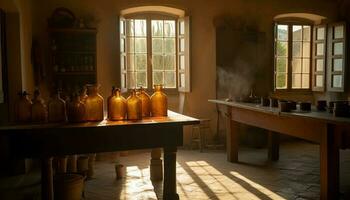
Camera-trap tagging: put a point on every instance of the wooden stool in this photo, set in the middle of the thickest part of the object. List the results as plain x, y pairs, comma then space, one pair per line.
198, 135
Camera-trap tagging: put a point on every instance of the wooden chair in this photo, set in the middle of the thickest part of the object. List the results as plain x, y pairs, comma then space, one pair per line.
198, 135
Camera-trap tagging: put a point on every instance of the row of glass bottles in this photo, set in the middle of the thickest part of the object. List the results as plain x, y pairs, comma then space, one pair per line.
83, 107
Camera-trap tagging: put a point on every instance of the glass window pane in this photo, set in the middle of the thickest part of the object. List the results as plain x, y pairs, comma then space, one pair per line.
337, 81
296, 49
297, 33
296, 65
141, 79
131, 80
122, 45
157, 28
169, 62
281, 81
182, 45
121, 27
281, 65
157, 78
282, 32
319, 65
306, 33
282, 48
169, 28
130, 44
182, 62
338, 64
122, 62
123, 81
306, 65
141, 61
130, 27
306, 49
319, 81
169, 45
338, 32
157, 62
140, 45
338, 48
157, 45
305, 81
169, 79
182, 80
140, 27
319, 49
320, 33
130, 62
296, 80
182, 27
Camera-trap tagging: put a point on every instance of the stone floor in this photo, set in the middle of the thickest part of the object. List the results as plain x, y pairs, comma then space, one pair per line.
209, 176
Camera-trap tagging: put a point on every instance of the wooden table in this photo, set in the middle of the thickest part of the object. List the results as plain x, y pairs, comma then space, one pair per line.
47, 140
332, 133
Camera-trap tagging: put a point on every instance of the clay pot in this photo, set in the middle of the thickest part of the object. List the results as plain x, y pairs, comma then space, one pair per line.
94, 104
159, 102
119, 171
134, 107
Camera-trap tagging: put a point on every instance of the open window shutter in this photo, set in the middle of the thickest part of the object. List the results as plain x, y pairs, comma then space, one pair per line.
319, 58
123, 63
183, 59
336, 57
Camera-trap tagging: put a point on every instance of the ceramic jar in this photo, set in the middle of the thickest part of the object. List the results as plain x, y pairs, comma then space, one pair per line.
134, 107
117, 106
23, 108
159, 102
39, 108
94, 104
145, 102
57, 109
76, 109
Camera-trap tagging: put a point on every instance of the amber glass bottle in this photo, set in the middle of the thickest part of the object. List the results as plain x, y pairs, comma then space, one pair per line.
109, 102
94, 104
159, 102
134, 107
82, 94
145, 101
57, 109
23, 108
117, 106
76, 109
39, 109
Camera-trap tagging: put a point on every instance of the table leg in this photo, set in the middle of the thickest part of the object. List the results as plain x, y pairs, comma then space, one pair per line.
169, 185
232, 131
46, 179
156, 166
329, 165
273, 145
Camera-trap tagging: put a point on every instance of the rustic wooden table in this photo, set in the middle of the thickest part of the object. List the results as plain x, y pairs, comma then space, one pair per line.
47, 140
332, 133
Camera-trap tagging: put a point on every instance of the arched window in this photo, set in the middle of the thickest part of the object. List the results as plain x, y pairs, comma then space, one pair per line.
154, 48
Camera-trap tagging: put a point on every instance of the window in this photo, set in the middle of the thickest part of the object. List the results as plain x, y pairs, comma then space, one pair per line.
154, 49
292, 56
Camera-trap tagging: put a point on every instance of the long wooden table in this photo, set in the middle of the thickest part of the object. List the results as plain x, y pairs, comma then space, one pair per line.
332, 133
47, 140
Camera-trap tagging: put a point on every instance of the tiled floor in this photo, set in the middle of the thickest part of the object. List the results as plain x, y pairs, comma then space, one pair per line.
209, 176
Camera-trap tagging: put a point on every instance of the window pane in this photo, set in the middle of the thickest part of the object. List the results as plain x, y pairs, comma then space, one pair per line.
281, 65
337, 81
319, 49
182, 27
306, 49
296, 49
182, 62
130, 44
182, 45
338, 48
141, 61
157, 28
297, 33
281, 81
305, 81
130, 61
140, 45
141, 79
296, 80
169, 62
338, 64
157, 62
169, 45
131, 80
157, 78
140, 27
296, 65
338, 32
169, 28
319, 81
320, 33
306, 65
157, 45
122, 62
182, 80
130, 27
306, 33
121, 27
319, 65
169, 79
123, 81
282, 48
282, 32
122, 45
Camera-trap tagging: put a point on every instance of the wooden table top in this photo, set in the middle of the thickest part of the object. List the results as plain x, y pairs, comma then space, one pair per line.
172, 118
314, 114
